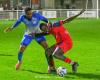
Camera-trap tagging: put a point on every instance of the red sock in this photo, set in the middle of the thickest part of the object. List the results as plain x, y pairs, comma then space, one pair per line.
67, 60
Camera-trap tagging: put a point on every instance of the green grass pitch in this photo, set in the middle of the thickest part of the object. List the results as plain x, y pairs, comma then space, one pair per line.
86, 50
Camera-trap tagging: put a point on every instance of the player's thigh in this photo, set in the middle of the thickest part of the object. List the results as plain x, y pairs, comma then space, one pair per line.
50, 50
42, 41
65, 46
44, 44
39, 39
26, 40
59, 54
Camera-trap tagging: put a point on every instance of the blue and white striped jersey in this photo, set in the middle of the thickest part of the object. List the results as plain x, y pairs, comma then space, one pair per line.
32, 25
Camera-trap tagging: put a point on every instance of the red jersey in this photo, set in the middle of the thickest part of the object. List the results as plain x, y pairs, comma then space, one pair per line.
61, 34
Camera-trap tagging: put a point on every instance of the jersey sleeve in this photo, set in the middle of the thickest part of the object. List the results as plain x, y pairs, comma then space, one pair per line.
58, 23
42, 18
17, 22
61, 22
41, 34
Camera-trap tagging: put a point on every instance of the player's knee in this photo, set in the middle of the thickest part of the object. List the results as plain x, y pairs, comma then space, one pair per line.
44, 44
55, 55
58, 53
22, 48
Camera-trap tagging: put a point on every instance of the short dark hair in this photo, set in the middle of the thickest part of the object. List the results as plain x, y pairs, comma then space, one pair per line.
42, 24
27, 9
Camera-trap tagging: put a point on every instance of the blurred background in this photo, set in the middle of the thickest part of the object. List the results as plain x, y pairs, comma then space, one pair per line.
48, 4
58, 8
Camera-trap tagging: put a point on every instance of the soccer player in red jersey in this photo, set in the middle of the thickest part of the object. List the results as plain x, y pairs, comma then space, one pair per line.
63, 40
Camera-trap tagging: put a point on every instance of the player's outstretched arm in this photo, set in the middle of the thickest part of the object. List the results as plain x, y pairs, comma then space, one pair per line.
9, 29
73, 17
39, 34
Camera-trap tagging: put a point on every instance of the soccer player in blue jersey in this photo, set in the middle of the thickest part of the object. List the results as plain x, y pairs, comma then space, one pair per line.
31, 21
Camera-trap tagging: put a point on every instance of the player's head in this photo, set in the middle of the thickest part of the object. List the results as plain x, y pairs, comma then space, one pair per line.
45, 27
28, 12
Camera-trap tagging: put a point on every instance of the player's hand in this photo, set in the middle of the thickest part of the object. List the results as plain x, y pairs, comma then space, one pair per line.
31, 34
9, 29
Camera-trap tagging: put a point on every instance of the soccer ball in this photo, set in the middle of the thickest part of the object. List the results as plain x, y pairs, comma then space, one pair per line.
61, 71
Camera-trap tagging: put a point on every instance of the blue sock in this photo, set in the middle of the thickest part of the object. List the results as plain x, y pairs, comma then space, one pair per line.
20, 54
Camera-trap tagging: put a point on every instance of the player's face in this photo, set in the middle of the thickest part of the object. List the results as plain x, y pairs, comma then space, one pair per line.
45, 28
29, 14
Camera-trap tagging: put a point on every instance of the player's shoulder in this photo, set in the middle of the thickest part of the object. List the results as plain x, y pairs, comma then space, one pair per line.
22, 16
56, 23
36, 13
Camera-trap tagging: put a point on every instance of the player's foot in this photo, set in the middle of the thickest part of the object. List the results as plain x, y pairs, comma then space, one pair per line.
18, 65
51, 70
74, 67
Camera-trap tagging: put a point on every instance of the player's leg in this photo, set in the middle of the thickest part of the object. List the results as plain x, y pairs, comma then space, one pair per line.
59, 54
20, 54
45, 46
48, 51
42, 41
25, 42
